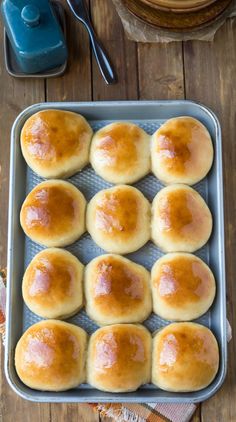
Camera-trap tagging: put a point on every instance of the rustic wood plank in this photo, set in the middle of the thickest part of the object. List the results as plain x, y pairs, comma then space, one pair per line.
15, 95
160, 76
160, 71
210, 70
75, 85
121, 51
197, 415
73, 413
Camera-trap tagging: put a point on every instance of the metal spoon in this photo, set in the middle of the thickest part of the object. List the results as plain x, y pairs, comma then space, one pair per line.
80, 11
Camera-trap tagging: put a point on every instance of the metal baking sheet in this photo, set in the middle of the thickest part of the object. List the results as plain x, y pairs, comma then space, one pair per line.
149, 115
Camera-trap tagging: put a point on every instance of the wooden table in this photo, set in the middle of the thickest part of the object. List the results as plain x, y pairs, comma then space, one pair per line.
204, 72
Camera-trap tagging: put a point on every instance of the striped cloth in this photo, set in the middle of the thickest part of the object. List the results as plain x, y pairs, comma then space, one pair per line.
150, 412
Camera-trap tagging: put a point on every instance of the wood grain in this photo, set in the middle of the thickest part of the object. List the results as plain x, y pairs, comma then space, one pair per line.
160, 71
75, 85
121, 51
145, 71
213, 84
197, 415
73, 413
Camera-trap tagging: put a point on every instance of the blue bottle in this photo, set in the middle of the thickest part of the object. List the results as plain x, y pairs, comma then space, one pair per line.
35, 34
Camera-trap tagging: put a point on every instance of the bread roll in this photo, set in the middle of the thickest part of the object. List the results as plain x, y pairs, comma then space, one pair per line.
183, 287
117, 290
52, 284
50, 356
120, 153
55, 143
118, 219
185, 357
181, 151
181, 220
53, 214
119, 358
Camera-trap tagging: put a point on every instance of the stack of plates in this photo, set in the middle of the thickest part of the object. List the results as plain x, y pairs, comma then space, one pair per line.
177, 14
179, 5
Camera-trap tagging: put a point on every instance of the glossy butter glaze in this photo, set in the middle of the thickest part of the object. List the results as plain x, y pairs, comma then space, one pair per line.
52, 284
117, 212
49, 355
117, 286
179, 143
185, 357
51, 209
51, 277
117, 146
180, 214
119, 357
182, 280
53, 136
182, 151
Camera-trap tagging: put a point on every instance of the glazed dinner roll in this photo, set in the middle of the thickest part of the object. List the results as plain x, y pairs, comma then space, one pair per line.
119, 358
118, 219
183, 287
120, 153
55, 143
181, 151
117, 290
52, 284
50, 356
53, 213
181, 220
185, 357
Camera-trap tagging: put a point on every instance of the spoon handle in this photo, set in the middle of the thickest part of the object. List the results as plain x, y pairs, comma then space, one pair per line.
80, 11
101, 57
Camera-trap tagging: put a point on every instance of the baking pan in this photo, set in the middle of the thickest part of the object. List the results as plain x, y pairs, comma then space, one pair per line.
149, 115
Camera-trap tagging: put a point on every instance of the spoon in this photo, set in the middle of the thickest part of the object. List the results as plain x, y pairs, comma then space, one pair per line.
80, 11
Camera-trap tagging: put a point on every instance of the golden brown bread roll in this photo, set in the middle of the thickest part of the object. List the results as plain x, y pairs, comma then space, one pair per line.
183, 287
53, 213
118, 219
52, 284
120, 152
55, 143
185, 357
119, 358
181, 151
117, 290
50, 356
181, 220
